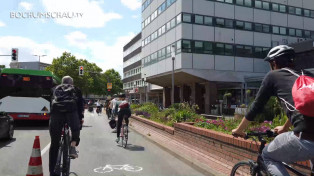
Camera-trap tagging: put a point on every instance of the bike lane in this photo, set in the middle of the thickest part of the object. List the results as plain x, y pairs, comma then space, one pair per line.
99, 154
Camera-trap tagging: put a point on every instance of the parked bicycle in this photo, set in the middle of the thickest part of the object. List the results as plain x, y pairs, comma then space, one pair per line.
257, 168
64, 159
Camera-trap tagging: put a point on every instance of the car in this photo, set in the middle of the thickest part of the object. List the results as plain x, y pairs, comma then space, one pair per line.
6, 126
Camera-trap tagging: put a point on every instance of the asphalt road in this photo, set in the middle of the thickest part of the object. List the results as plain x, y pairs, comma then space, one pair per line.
99, 154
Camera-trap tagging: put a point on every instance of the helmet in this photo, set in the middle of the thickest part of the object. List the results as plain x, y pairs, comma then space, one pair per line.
277, 51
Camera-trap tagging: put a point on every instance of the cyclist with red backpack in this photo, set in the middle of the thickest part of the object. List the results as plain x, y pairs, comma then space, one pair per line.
296, 94
67, 106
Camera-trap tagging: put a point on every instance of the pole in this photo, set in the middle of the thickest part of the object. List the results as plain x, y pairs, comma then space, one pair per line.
173, 55
172, 89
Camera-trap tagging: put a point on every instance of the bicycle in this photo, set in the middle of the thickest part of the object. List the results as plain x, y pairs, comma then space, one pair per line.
258, 167
124, 134
63, 158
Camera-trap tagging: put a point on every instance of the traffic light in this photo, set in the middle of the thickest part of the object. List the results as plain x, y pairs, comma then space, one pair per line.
14, 54
109, 90
81, 70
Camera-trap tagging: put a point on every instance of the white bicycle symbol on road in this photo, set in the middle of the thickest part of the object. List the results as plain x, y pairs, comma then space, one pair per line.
110, 168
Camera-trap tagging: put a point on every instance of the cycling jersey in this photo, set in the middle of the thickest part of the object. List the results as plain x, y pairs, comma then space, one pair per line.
279, 83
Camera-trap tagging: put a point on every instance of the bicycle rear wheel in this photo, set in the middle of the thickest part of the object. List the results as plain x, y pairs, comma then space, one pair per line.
242, 168
66, 157
125, 134
122, 135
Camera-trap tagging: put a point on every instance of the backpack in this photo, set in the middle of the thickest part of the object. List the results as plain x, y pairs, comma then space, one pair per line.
64, 98
302, 94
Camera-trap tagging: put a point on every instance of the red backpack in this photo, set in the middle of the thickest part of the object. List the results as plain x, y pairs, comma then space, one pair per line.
302, 94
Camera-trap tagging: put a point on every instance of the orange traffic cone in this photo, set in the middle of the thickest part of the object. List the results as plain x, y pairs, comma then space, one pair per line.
35, 165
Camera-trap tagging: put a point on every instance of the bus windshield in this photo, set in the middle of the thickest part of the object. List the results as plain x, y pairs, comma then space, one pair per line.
25, 85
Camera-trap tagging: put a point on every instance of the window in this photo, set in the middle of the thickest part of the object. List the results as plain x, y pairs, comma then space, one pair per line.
169, 3
258, 4
168, 51
186, 46
187, 18
312, 35
163, 53
306, 13
248, 26
229, 23
291, 10
239, 2
275, 30
208, 21
229, 1
239, 25
199, 19
275, 7
307, 34
159, 32
228, 50
248, 3
220, 22
243, 51
173, 23
219, 49
292, 32
298, 33
168, 26
178, 46
298, 11
258, 52
312, 13
266, 5
179, 19
198, 47
283, 31
258, 27
266, 28
163, 29
282, 8
208, 48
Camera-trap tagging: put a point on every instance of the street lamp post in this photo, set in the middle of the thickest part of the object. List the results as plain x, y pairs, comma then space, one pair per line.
173, 56
39, 60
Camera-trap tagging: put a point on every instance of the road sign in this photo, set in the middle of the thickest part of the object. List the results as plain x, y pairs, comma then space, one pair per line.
109, 85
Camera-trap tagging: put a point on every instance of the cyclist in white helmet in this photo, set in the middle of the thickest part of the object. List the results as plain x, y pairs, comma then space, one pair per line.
288, 147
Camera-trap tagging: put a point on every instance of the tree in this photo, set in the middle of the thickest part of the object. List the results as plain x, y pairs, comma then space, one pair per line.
113, 77
2, 66
93, 80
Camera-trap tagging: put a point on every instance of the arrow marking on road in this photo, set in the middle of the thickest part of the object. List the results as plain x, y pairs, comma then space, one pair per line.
45, 149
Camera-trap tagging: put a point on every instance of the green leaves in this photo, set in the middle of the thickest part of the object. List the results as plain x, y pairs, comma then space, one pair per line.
93, 81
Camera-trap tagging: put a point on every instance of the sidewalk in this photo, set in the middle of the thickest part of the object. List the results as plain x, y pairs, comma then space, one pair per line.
187, 153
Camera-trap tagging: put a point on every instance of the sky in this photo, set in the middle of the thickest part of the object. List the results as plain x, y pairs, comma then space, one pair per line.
95, 30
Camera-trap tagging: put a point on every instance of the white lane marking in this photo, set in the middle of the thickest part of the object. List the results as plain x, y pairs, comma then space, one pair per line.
45, 149
110, 168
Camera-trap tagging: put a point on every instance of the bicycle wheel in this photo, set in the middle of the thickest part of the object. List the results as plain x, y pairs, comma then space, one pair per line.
58, 166
122, 135
242, 168
125, 134
66, 157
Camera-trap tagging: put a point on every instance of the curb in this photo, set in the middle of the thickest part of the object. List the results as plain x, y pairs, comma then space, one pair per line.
197, 165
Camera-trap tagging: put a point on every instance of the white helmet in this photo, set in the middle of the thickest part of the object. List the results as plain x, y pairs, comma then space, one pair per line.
279, 51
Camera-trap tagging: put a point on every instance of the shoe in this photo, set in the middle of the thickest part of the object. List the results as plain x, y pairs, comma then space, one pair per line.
73, 153
117, 140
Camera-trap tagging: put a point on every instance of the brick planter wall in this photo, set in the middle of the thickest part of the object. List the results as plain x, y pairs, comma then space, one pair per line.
222, 147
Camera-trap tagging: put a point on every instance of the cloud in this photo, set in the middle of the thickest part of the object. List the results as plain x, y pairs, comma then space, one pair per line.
92, 16
132, 4
135, 16
27, 48
2, 24
26, 5
77, 39
104, 55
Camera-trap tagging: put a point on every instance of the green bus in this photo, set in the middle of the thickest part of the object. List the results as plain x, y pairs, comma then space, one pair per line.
26, 94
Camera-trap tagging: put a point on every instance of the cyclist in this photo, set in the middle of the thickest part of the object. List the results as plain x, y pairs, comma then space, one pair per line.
64, 110
288, 147
124, 112
98, 104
